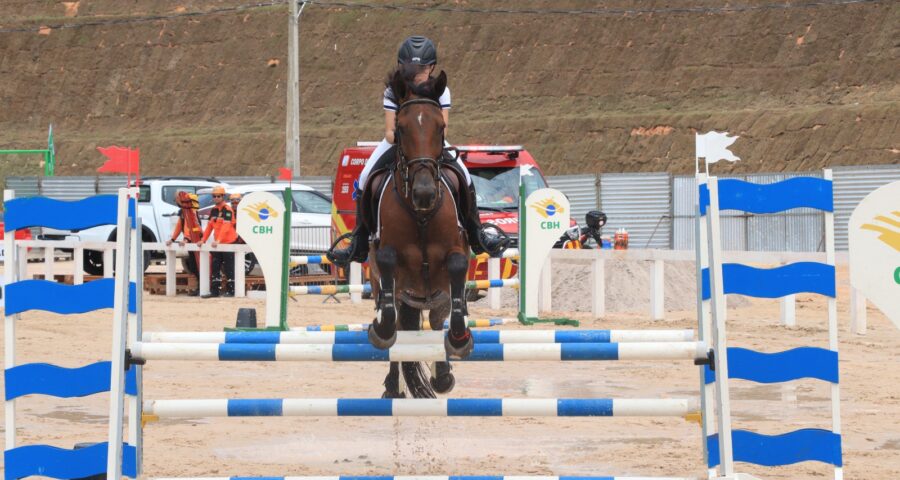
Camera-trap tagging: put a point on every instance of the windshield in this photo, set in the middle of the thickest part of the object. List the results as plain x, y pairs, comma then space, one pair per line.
306, 201
498, 188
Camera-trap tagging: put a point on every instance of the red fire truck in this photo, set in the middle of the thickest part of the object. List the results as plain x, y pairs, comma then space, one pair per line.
495, 172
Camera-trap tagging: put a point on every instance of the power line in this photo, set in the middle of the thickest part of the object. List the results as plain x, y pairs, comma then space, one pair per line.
445, 9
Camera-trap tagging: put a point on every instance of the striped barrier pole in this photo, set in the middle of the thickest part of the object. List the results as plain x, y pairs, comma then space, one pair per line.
367, 288
508, 253
330, 289
423, 337
454, 407
356, 327
430, 477
309, 260
419, 353
493, 283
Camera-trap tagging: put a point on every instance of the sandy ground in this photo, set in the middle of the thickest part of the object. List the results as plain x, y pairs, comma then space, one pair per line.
870, 374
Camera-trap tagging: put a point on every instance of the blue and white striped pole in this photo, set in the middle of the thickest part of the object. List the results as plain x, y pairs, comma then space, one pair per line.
454, 407
425, 337
430, 477
419, 353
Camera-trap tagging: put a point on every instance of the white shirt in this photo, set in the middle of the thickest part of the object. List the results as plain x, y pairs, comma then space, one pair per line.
390, 104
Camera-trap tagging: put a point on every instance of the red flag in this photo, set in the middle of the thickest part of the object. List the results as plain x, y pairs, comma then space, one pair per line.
120, 160
285, 173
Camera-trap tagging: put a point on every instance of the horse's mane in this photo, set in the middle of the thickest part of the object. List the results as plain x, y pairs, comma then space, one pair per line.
426, 89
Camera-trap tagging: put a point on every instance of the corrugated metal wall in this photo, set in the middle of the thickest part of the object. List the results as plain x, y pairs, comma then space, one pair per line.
799, 230
640, 203
581, 191
851, 185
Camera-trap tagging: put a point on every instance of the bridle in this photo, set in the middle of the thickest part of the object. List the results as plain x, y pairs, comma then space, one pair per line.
403, 164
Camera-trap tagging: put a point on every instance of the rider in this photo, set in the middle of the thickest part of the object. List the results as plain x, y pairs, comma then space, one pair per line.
417, 57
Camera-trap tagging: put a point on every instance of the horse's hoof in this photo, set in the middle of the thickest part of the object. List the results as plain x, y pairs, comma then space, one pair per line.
381, 343
443, 383
389, 394
459, 348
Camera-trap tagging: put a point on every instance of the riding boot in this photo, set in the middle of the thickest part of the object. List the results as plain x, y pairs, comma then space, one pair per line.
358, 251
480, 240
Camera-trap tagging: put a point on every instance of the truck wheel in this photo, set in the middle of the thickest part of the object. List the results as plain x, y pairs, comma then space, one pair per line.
249, 263
93, 262
93, 259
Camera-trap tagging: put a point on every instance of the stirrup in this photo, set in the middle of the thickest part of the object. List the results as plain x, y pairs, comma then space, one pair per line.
498, 235
330, 254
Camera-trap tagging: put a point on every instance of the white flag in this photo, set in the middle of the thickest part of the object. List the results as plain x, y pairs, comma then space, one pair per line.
713, 146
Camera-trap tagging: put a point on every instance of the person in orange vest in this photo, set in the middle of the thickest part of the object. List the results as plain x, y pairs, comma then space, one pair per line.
222, 224
189, 226
235, 199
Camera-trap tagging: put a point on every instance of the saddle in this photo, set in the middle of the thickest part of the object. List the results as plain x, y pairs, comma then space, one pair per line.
381, 174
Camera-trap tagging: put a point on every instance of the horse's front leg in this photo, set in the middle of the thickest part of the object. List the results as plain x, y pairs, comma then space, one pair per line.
383, 331
442, 379
458, 341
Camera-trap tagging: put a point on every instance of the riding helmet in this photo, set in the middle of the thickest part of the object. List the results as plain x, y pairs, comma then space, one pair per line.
418, 50
595, 219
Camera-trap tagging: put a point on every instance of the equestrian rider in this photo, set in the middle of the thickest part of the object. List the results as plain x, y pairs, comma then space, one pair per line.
417, 57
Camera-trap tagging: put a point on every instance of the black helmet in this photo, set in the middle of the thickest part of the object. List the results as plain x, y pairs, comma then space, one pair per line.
418, 50
595, 219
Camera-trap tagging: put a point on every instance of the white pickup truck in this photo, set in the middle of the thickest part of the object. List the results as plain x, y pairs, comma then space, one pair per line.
158, 210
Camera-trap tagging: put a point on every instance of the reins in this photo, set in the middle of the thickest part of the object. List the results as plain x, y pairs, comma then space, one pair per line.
402, 166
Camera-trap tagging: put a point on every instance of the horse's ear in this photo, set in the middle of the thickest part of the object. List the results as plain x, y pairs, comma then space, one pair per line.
440, 84
398, 86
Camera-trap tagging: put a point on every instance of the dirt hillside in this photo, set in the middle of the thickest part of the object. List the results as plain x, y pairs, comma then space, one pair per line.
805, 87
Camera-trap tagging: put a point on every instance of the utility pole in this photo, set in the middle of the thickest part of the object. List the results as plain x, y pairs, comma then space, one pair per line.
292, 126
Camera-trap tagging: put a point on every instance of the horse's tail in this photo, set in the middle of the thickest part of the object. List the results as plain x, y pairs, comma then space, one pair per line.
417, 377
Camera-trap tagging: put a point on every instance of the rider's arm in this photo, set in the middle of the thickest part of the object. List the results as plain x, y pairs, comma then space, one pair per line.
389, 122
446, 113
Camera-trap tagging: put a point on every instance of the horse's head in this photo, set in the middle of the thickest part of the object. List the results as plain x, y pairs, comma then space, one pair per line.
419, 134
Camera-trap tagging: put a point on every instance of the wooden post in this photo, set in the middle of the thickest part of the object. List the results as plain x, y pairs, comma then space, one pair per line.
170, 272
240, 280
789, 310
598, 288
657, 290
493, 293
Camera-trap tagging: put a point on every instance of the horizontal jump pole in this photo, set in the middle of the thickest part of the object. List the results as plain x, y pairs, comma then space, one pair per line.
357, 327
309, 260
367, 288
419, 353
508, 253
425, 337
454, 407
429, 477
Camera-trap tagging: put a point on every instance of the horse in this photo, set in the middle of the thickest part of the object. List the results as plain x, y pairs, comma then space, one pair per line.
421, 253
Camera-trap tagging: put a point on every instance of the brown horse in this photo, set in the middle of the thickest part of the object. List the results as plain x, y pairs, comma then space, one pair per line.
421, 255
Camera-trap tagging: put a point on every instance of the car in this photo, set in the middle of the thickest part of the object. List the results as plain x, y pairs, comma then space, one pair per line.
310, 217
158, 210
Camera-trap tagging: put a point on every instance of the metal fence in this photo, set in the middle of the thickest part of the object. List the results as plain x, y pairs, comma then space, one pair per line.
655, 208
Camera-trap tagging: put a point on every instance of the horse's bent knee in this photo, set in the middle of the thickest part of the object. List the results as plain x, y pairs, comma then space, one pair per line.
457, 264
386, 258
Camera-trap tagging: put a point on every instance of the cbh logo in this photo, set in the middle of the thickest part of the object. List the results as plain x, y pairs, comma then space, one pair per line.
548, 208
260, 213
889, 229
